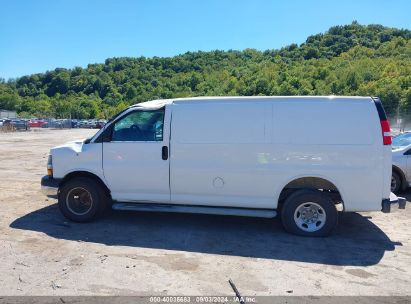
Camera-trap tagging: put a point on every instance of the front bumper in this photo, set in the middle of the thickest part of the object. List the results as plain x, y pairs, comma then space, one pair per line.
49, 185
393, 200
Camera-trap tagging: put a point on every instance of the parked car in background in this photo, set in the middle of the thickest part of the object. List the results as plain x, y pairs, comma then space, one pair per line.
100, 124
89, 124
298, 157
401, 162
92, 124
36, 123
20, 124
82, 124
74, 123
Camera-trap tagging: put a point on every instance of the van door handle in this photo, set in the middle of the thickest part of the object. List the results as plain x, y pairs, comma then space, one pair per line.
164, 153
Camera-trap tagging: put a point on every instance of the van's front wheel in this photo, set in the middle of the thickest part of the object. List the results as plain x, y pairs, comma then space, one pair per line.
309, 213
81, 199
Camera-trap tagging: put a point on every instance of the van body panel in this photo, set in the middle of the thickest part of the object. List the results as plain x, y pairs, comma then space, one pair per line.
336, 122
76, 156
339, 140
243, 151
352, 172
218, 154
135, 170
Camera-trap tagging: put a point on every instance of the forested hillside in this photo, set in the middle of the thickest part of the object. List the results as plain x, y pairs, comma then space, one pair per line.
346, 60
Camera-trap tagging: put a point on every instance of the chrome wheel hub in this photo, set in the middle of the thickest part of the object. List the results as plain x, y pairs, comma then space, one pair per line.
310, 216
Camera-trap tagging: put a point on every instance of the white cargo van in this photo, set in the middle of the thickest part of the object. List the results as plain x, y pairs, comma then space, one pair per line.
246, 156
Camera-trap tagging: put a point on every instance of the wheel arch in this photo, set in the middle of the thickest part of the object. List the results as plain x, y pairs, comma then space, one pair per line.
309, 182
83, 173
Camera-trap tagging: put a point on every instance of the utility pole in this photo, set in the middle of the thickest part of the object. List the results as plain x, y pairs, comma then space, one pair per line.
399, 120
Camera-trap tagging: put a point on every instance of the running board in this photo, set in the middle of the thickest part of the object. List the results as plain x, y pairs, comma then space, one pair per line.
155, 207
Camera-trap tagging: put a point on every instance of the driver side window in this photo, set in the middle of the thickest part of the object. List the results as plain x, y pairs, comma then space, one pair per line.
140, 126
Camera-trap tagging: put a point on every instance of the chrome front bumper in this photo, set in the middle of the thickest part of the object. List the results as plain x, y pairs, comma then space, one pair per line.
393, 200
49, 185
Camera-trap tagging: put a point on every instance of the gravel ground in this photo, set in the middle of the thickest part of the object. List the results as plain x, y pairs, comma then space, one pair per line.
41, 253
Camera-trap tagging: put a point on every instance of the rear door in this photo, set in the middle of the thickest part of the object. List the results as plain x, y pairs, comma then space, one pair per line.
135, 156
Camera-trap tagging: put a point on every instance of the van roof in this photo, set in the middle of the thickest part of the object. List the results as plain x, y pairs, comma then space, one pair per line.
158, 103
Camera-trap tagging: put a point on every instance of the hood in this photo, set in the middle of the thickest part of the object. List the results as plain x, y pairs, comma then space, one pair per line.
75, 145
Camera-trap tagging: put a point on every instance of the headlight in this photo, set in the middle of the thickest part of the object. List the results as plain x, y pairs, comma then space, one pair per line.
50, 166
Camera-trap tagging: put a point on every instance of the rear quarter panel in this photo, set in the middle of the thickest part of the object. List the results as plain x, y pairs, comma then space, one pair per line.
338, 140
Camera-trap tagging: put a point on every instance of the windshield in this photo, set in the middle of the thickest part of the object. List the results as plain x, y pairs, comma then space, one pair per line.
401, 141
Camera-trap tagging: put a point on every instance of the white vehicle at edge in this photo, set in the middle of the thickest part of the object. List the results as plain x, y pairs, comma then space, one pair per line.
245, 156
401, 162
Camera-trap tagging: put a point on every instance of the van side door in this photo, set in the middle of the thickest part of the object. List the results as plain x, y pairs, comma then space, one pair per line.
135, 156
220, 154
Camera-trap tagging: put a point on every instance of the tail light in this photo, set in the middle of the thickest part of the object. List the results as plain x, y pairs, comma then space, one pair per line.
385, 125
386, 132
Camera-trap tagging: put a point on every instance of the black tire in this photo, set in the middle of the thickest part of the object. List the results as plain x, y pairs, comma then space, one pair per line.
317, 206
395, 182
82, 199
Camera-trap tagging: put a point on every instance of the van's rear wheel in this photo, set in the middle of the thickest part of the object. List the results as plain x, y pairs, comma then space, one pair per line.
81, 199
309, 213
